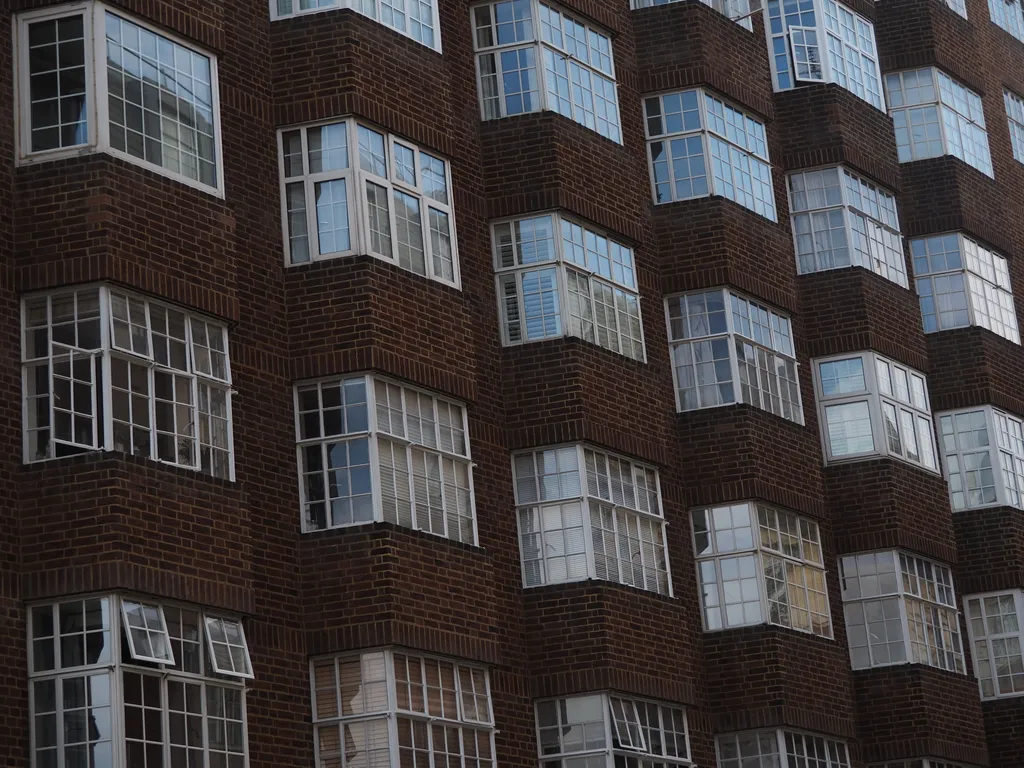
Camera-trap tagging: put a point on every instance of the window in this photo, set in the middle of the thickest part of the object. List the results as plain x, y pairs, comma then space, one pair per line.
721, 357
414, 443
900, 609
1008, 16
700, 146
519, 43
395, 203
984, 453
1015, 117
823, 41
783, 585
960, 282
995, 633
842, 220
935, 115
156, 96
958, 7
606, 730
735, 10
113, 675
557, 277
920, 763
780, 749
392, 707
611, 527
871, 406
413, 18
105, 369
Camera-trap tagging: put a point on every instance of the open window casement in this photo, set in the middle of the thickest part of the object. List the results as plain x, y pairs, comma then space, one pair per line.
626, 722
146, 630
229, 653
806, 52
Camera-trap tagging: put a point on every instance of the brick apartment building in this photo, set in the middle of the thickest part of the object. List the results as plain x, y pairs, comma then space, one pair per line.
436, 384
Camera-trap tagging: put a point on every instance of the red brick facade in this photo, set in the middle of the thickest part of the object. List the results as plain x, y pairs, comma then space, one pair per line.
107, 522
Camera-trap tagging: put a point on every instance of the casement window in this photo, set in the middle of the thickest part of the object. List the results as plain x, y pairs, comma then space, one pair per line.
347, 188
393, 707
532, 56
112, 676
960, 282
109, 370
760, 565
698, 145
900, 609
587, 514
840, 220
995, 633
983, 449
825, 42
413, 18
958, 7
1008, 16
607, 730
777, 748
935, 115
871, 406
1015, 117
728, 349
921, 762
557, 277
92, 78
371, 449
735, 10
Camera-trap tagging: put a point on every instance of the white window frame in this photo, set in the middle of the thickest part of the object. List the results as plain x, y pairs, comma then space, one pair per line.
732, 334
778, 735
589, 505
358, 7
757, 552
356, 178
1014, 106
940, 107
545, 101
754, 128
561, 265
210, 620
1007, 15
1005, 463
897, 272
822, 34
392, 712
901, 595
373, 434
734, 10
137, 653
1017, 596
608, 753
974, 280
97, 109
875, 398
114, 667
103, 437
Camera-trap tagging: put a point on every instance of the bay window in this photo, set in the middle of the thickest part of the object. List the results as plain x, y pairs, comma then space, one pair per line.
823, 41
397, 707
920, 763
728, 349
735, 10
935, 115
778, 748
371, 449
994, 629
871, 406
152, 101
840, 220
984, 453
160, 683
698, 145
587, 514
416, 19
347, 188
532, 56
558, 277
900, 608
760, 565
960, 282
609, 730
108, 369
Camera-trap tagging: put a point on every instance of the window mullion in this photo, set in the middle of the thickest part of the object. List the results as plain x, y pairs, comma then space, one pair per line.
413, 506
